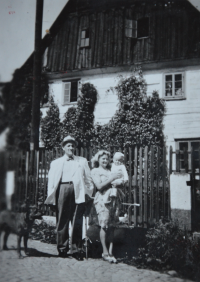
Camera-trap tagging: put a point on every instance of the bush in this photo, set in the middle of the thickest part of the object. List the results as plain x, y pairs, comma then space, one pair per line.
78, 121
169, 247
50, 126
43, 232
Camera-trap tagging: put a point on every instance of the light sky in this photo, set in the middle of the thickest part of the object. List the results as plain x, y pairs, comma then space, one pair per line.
17, 29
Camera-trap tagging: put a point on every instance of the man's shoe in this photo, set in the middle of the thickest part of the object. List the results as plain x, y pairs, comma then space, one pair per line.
78, 256
73, 251
62, 253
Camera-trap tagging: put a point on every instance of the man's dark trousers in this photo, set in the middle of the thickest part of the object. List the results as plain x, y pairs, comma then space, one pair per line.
65, 210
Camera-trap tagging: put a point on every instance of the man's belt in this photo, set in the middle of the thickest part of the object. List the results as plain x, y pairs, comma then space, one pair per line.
69, 182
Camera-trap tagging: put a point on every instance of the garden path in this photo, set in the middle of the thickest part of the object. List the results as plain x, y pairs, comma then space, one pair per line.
44, 265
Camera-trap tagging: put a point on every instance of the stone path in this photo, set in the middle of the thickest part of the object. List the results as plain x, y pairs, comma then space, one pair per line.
44, 265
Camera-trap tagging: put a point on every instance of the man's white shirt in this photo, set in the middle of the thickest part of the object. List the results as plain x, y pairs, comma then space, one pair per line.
68, 169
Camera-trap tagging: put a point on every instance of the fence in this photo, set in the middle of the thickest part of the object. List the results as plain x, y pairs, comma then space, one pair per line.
148, 180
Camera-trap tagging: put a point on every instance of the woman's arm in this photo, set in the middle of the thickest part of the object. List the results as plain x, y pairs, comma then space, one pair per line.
102, 185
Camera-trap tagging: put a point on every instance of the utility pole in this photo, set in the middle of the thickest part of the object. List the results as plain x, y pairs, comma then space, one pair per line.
37, 65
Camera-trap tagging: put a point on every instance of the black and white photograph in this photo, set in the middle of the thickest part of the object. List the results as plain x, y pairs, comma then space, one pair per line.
100, 140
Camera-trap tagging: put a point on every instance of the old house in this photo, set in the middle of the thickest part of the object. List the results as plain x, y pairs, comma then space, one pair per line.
98, 40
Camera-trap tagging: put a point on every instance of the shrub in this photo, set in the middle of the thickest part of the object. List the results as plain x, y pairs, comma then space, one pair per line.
79, 121
43, 232
170, 247
50, 126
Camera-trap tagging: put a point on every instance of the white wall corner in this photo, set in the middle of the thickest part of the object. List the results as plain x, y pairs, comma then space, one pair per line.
180, 193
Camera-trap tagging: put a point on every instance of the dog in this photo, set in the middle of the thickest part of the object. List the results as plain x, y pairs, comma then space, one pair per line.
19, 223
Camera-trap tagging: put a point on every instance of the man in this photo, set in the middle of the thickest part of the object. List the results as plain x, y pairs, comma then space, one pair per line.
69, 180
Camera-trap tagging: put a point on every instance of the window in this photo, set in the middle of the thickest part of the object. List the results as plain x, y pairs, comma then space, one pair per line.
184, 158
143, 27
174, 86
70, 91
137, 29
85, 40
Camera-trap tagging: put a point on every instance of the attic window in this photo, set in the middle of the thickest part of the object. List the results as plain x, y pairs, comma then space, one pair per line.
137, 29
85, 40
143, 27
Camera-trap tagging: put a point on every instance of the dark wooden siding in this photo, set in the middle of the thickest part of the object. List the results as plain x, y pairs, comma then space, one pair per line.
174, 33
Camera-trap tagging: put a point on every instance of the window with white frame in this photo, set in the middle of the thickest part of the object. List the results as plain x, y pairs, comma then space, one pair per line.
70, 91
85, 38
184, 157
174, 85
137, 28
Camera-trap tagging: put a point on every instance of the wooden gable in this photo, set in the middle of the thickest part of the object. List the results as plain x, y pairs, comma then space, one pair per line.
173, 34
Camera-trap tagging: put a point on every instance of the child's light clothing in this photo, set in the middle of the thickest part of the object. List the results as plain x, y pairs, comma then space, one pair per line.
114, 192
119, 168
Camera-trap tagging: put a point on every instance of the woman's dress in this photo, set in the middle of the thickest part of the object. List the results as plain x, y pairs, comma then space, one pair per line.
107, 208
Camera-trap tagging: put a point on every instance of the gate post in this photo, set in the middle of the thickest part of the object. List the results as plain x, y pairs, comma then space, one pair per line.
180, 195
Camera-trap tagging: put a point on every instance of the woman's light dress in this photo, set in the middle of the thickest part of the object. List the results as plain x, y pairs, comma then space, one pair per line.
107, 211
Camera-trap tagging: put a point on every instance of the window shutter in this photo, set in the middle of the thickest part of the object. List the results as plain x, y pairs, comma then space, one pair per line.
134, 29
67, 87
87, 42
82, 42
45, 57
131, 28
83, 33
85, 38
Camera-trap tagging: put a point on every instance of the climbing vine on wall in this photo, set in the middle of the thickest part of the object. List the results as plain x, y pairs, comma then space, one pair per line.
137, 121
78, 121
50, 126
139, 118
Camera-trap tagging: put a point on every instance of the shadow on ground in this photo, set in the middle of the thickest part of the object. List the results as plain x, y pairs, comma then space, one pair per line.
32, 252
36, 253
126, 242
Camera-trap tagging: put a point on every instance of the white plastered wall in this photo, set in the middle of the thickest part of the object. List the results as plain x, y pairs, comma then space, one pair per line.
182, 117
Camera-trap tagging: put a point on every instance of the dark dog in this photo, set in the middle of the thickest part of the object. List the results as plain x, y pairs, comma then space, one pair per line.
19, 223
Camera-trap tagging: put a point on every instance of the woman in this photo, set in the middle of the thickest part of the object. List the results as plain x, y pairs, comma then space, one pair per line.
107, 211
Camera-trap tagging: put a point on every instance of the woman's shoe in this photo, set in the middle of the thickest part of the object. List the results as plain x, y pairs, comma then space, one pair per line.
106, 257
114, 260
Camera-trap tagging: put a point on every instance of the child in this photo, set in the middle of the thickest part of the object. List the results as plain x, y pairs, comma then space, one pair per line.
117, 166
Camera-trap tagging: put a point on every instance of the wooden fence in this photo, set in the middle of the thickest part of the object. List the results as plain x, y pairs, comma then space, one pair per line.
148, 180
